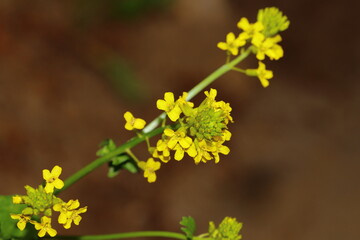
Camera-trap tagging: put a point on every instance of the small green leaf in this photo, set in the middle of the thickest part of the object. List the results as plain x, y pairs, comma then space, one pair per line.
122, 162
106, 147
189, 226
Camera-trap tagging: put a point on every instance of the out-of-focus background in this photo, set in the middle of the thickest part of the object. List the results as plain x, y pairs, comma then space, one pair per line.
70, 69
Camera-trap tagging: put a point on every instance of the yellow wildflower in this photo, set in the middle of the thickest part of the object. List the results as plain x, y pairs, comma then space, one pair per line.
16, 199
177, 137
232, 44
45, 227
169, 105
23, 219
267, 46
132, 122
162, 146
261, 73
250, 29
202, 151
185, 106
52, 179
149, 168
219, 148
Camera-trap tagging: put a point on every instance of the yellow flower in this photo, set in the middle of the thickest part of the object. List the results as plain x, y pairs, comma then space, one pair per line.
16, 199
23, 219
162, 146
267, 46
250, 29
52, 179
132, 122
261, 73
232, 44
202, 152
219, 148
185, 106
169, 105
149, 168
69, 212
45, 227
177, 137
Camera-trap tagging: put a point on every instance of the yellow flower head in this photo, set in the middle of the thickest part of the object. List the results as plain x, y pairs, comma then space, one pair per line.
23, 219
201, 132
52, 179
267, 46
149, 168
69, 212
261, 73
169, 105
45, 227
249, 29
232, 44
16, 199
132, 122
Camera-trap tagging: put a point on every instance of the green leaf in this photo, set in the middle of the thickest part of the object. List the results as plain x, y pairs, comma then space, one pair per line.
189, 226
106, 147
122, 162
8, 228
119, 162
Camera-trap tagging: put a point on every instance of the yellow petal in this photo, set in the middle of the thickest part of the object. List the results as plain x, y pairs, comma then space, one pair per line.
139, 123
128, 126
58, 183
151, 177
62, 218
42, 232
264, 82
46, 174
52, 232
56, 171
174, 114
230, 37
222, 46
128, 117
185, 142
179, 154
172, 142
243, 24
169, 97
162, 105
21, 225
49, 188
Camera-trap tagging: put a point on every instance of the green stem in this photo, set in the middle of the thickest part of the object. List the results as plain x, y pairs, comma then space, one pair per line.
203, 84
127, 235
239, 70
150, 130
99, 161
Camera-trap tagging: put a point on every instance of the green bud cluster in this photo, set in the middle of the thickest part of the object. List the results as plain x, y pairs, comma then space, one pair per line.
206, 123
39, 201
273, 21
229, 229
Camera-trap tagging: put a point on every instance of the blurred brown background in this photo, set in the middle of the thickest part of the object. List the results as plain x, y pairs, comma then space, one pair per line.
70, 69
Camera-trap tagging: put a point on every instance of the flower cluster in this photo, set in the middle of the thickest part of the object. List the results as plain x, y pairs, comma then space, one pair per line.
40, 203
262, 36
199, 132
229, 229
